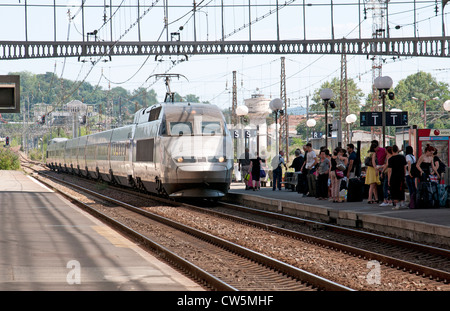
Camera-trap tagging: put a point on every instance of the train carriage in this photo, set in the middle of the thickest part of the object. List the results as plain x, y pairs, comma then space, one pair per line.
175, 149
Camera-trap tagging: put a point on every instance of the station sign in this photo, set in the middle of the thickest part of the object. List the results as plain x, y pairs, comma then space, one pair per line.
316, 135
397, 118
392, 118
244, 133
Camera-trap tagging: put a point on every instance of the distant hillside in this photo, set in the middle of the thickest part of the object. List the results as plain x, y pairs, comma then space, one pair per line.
296, 111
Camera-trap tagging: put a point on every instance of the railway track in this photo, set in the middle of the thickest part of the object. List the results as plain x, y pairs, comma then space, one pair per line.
342, 241
215, 262
425, 260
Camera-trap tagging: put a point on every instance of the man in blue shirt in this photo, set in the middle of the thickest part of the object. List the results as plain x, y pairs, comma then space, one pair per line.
351, 168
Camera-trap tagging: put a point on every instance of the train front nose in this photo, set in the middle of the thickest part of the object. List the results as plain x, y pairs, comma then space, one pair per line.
201, 173
201, 181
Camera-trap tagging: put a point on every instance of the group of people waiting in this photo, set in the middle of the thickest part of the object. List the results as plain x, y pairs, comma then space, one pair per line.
396, 172
321, 175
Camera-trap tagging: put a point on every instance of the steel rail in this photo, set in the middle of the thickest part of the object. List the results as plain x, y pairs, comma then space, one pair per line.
195, 271
388, 260
280, 266
393, 262
390, 240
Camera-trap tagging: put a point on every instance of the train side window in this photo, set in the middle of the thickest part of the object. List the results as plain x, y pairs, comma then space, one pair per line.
144, 150
154, 114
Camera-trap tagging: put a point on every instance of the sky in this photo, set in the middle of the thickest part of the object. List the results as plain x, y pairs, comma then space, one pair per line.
210, 77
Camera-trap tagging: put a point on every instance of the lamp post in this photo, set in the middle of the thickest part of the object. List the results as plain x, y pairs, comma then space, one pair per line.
241, 111
383, 84
424, 108
326, 95
276, 105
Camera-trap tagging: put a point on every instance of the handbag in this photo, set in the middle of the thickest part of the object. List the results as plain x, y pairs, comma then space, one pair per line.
368, 161
339, 174
262, 173
340, 165
247, 177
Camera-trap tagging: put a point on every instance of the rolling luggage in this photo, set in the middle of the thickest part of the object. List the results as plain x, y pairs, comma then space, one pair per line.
355, 190
427, 195
443, 195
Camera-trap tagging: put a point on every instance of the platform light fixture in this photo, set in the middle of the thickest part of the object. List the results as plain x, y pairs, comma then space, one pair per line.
447, 105
311, 123
276, 105
350, 119
326, 95
383, 84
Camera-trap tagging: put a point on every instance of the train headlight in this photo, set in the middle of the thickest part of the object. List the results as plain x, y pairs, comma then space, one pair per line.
217, 159
182, 159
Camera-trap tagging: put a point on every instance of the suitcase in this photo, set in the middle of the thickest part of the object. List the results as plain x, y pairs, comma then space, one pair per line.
443, 195
355, 191
427, 195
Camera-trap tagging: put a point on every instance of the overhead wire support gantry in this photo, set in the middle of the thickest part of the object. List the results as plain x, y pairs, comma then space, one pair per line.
406, 47
245, 14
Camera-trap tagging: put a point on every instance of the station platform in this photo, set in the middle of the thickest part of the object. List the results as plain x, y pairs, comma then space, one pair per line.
420, 225
48, 244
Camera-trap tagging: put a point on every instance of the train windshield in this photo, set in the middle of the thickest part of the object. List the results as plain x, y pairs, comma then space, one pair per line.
192, 121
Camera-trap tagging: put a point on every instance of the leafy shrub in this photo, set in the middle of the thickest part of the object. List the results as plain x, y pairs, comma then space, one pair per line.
9, 160
35, 154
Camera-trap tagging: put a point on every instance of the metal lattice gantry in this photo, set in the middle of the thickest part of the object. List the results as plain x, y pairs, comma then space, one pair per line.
412, 47
80, 28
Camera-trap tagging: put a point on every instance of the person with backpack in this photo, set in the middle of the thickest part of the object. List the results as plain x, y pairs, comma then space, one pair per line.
297, 164
396, 177
277, 170
310, 166
255, 168
426, 165
427, 190
438, 164
384, 179
303, 176
411, 175
352, 162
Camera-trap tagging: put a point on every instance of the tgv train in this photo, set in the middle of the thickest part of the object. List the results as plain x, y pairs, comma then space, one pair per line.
174, 149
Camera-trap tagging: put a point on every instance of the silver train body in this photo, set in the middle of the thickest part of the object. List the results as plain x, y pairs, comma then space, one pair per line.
175, 149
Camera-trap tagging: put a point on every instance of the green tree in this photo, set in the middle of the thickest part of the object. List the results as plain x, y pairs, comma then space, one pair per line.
355, 95
423, 86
